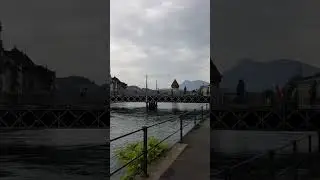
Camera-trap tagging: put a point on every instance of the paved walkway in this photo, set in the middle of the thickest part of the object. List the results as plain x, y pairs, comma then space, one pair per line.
194, 162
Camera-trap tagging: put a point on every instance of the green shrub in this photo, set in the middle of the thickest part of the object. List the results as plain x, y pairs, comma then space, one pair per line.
133, 150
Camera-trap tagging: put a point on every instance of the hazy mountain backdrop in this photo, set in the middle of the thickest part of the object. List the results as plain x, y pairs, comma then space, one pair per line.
259, 76
192, 85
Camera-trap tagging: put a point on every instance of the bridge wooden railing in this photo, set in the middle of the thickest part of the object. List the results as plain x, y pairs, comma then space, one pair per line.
181, 99
265, 118
57, 117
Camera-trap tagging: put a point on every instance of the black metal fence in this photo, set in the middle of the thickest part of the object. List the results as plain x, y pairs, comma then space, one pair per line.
264, 118
56, 117
162, 98
198, 117
279, 163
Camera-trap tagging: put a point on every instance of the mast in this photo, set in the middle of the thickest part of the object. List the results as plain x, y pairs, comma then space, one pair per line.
147, 92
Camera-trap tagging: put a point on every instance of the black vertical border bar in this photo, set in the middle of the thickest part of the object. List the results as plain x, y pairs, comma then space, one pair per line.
211, 92
106, 29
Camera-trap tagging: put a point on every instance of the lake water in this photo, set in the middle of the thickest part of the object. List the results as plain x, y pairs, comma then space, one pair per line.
229, 148
68, 154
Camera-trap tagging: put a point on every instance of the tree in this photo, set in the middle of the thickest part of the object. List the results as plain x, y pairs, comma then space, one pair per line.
185, 90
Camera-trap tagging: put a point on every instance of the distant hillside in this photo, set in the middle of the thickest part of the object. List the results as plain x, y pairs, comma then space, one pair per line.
69, 89
73, 83
263, 75
192, 85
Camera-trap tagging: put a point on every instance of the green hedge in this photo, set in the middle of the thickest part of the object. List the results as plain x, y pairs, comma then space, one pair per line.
133, 150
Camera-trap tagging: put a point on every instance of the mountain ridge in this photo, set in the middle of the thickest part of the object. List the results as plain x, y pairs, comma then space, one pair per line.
260, 76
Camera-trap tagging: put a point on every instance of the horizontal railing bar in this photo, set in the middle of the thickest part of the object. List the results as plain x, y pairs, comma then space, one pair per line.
290, 167
142, 153
290, 144
117, 170
248, 160
168, 120
122, 136
261, 155
164, 140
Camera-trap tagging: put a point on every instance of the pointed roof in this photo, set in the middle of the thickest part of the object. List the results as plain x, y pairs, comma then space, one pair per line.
175, 84
215, 75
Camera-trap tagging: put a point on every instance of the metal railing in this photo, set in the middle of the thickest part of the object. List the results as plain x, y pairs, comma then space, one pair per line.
257, 118
56, 117
144, 129
162, 98
268, 163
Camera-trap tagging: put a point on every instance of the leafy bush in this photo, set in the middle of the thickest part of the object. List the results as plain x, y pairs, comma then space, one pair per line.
133, 150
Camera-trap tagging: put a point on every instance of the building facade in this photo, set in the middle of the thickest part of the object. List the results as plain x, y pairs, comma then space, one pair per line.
303, 90
19, 75
205, 90
116, 86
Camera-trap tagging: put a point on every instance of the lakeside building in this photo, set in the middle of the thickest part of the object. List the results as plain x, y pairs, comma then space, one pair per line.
117, 86
205, 90
303, 90
19, 75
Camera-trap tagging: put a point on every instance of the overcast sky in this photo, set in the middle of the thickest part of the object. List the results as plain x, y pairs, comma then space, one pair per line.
265, 30
166, 39
69, 36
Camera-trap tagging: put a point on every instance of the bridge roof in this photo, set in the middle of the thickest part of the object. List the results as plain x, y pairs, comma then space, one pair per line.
215, 75
175, 84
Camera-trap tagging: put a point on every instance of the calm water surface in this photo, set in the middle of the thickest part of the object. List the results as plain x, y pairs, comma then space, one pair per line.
71, 154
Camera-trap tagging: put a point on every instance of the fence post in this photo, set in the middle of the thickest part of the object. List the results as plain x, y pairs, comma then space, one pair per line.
310, 143
271, 165
201, 113
195, 118
145, 151
181, 129
294, 143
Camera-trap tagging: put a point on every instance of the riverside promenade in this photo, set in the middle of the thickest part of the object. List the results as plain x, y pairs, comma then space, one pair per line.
194, 161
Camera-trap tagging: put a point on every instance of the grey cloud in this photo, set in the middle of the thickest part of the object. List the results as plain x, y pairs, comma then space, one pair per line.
264, 30
182, 28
